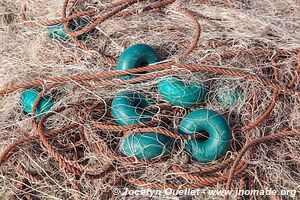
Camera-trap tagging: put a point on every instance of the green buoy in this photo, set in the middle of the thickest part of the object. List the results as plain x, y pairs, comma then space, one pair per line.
136, 56
128, 108
58, 31
218, 142
178, 93
28, 98
146, 145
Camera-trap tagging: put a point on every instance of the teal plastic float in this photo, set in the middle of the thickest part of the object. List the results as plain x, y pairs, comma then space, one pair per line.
128, 109
58, 31
146, 145
178, 93
28, 98
218, 142
135, 56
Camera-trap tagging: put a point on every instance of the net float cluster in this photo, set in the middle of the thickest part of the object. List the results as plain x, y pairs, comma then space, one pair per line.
178, 93
128, 108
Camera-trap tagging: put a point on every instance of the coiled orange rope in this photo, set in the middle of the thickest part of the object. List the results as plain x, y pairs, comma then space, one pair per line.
157, 70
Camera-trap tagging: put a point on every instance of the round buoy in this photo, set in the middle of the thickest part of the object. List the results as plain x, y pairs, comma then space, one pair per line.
58, 31
135, 56
182, 94
146, 145
218, 142
128, 108
28, 98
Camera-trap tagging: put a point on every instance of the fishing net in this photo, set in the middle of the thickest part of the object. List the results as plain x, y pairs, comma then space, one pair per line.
244, 52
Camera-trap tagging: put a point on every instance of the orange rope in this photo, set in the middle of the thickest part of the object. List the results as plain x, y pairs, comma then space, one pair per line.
119, 6
235, 73
270, 107
297, 72
99, 146
252, 144
206, 182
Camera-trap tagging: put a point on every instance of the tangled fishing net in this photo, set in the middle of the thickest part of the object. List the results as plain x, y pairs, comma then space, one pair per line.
250, 48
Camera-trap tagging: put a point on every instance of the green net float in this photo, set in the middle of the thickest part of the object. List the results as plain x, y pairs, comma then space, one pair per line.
28, 98
136, 56
128, 108
58, 31
218, 142
145, 146
178, 93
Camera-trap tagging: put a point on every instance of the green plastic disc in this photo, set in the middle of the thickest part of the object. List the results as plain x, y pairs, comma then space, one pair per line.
28, 98
136, 56
58, 31
128, 108
178, 93
145, 146
218, 142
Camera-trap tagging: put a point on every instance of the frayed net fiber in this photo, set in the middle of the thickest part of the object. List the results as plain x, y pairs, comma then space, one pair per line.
246, 54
